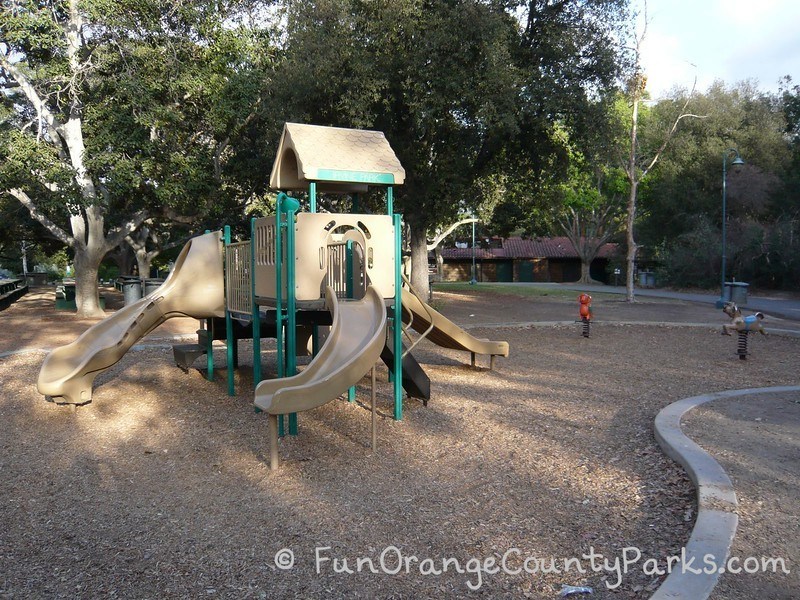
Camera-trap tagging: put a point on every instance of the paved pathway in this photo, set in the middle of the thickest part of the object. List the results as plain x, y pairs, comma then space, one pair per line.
772, 306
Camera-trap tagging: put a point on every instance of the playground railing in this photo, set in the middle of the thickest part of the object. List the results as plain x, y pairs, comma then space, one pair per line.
237, 275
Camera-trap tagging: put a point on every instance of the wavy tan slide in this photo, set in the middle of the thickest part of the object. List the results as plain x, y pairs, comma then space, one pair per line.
354, 345
444, 332
194, 288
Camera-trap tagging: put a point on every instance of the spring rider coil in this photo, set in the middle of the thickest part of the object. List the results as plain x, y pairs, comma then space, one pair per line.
741, 348
585, 311
743, 326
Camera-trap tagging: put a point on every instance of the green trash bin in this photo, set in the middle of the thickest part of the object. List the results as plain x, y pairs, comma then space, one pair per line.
131, 289
736, 291
151, 285
647, 279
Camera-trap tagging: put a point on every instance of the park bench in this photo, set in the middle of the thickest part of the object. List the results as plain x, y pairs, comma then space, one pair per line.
65, 296
10, 291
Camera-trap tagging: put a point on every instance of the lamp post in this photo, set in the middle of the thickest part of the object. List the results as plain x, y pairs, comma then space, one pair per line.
474, 272
737, 161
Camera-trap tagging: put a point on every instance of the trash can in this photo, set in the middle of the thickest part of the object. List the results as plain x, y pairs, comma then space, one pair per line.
151, 285
131, 289
647, 279
736, 291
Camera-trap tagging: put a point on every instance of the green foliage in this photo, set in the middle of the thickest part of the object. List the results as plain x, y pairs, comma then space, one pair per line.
683, 197
54, 264
465, 97
171, 111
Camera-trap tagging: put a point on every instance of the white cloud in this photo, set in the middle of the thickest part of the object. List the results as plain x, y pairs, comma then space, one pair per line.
731, 40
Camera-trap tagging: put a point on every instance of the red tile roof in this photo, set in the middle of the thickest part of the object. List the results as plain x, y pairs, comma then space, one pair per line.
467, 253
516, 247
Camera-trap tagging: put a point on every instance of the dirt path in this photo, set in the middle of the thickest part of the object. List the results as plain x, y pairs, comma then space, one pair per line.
160, 487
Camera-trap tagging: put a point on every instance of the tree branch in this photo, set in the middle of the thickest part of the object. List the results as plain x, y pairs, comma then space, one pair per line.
441, 236
117, 235
43, 112
672, 131
54, 229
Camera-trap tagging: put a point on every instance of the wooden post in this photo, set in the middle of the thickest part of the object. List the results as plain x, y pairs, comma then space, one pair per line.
374, 415
274, 459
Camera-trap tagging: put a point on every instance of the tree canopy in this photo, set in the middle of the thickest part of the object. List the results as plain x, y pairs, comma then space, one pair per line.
148, 121
467, 92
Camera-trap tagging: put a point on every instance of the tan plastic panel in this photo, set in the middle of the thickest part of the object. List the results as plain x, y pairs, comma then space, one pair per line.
445, 333
265, 249
354, 345
313, 233
194, 288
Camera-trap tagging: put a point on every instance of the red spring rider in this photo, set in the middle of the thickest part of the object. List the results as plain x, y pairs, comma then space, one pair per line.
585, 312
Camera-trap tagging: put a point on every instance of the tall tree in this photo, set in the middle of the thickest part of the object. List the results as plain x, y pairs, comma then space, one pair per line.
637, 163
590, 211
45, 65
464, 90
119, 112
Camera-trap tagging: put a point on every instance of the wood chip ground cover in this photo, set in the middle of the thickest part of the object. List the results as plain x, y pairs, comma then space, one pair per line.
161, 488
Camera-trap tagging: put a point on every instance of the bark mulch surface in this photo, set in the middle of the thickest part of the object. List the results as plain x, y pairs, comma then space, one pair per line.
510, 483
756, 439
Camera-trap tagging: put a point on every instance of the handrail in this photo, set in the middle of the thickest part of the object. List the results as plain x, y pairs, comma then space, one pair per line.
427, 309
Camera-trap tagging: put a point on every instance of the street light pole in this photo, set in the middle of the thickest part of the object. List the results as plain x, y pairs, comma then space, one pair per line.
474, 273
737, 161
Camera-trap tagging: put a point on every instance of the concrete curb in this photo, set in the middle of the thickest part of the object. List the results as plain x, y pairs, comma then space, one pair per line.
717, 520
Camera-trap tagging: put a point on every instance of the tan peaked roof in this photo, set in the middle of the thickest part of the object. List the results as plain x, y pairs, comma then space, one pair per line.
337, 159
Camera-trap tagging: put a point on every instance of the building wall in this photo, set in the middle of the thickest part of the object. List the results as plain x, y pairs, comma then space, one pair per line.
456, 271
534, 269
531, 269
461, 270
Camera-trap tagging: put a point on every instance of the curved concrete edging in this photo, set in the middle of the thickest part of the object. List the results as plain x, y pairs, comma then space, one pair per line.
717, 520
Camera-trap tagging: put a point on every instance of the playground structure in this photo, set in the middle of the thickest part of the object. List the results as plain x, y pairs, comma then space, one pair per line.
743, 326
585, 311
300, 273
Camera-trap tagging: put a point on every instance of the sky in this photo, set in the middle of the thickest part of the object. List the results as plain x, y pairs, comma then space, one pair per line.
731, 40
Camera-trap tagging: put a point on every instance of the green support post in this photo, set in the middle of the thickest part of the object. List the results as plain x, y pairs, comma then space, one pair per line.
279, 337
351, 391
209, 350
287, 328
291, 304
255, 312
312, 196
229, 341
397, 340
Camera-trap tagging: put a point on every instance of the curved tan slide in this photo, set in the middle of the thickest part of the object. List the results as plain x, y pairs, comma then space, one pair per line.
194, 288
354, 345
444, 332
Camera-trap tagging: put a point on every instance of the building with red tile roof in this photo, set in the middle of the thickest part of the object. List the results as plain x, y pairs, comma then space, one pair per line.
518, 259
